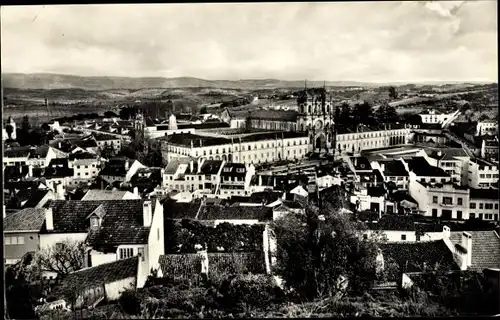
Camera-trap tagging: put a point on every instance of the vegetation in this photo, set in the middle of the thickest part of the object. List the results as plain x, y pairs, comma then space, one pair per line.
62, 258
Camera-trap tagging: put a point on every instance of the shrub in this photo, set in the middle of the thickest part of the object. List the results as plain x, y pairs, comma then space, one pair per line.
253, 290
130, 302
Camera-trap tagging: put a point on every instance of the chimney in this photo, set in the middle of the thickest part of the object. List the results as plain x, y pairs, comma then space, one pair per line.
127, 165
60, 192
260, 180
147, 212
446, 232
136, 191
191, 166
59, 145
49, 220
467, 244
30, 171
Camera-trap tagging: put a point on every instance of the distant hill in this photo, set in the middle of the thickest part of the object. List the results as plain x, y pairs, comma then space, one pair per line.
58, 81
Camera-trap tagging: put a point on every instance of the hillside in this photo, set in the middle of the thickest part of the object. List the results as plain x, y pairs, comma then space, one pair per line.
58, 81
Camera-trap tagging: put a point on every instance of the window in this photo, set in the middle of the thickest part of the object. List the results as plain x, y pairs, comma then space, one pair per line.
434, 199
403, 237
480, 206
365, 236
447, 200
459, 215
459, 201
417, 236
488, 206
126, 253
94, 222
481, 216
140, 252
7, 240
472, 215
473, 206
496, 216
496, 205
59, 246
20, 240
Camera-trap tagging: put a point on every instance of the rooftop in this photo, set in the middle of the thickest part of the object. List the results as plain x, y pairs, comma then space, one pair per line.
485, 248
394, 168
100, 275
422, 168
415, 256
122, 222
29, 219
491, 194
97, 194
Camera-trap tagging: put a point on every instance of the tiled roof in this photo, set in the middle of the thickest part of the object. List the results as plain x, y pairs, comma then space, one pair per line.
211, 166
122, 224
411, 257
422, 168
235, 262
281, 115
180, 265
260, 213
16, 153
40, 152
96, 194
26, 220
485, 248
116, 167
102, 274
394, 168
172, 166
35, 197
85, 143
393, 222
105, 137
491, 194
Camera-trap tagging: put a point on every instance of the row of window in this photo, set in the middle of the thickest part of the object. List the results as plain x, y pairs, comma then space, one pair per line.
487, 216
447, 200
342, 137
14, 240
488, 176
486, 206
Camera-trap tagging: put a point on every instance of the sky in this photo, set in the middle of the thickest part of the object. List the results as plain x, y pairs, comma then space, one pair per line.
351, 41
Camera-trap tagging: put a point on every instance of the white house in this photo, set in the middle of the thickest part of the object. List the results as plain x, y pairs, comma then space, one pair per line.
433, 116
484, 204
482, 174
487, 127
111, 230
235, 179
444, 200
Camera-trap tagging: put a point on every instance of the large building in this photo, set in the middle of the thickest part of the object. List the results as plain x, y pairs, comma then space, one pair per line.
482, 174
249, 148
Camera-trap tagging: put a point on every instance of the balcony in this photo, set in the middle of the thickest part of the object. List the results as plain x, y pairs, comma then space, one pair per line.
448, 205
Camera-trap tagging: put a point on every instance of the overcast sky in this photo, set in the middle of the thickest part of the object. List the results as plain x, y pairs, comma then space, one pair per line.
372, 41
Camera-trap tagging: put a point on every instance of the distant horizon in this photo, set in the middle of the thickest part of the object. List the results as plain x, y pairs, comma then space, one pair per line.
402, 82
372, 42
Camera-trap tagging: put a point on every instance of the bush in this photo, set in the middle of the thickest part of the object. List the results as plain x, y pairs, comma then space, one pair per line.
130, 302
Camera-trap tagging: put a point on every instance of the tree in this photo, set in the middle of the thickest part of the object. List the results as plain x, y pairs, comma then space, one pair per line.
393, 94
19, 299
203, 110
62, 258
26, 126
322, 253
9, 129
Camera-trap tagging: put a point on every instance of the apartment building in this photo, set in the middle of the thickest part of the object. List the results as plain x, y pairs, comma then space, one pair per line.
366, 139
250, 148
393, 171
441, 200
482, 174
199, 176
454, 161
235, 179
419, 169
433, 116
86, 167
487, 127
108, 141
484, 204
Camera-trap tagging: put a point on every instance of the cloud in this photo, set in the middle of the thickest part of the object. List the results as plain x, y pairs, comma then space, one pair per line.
365, 41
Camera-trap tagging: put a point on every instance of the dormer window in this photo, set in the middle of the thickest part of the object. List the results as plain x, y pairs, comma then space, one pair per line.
240, 170
94, 222
227, 169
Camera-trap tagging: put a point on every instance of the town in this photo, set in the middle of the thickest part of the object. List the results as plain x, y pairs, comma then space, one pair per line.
249, 198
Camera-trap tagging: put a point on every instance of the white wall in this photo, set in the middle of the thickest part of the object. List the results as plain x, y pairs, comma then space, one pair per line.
115, 289
133, 169
98, 258
49, 240
156, 245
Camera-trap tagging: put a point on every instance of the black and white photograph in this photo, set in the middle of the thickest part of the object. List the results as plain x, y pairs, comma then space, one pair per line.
250, 160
